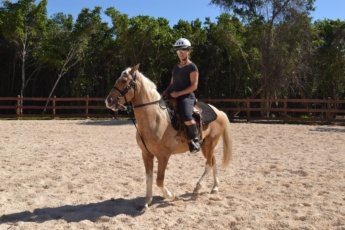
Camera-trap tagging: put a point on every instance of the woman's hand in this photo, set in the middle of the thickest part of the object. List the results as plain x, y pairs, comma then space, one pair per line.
174, 94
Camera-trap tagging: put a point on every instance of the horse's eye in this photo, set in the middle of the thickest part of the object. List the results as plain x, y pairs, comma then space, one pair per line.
123, 81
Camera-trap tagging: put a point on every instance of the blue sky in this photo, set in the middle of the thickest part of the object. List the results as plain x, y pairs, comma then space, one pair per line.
174, 10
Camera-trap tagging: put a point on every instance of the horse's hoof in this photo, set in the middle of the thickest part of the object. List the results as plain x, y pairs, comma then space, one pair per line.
142, 209
195, 195
169, 196
197, 189
214, 192
176, 198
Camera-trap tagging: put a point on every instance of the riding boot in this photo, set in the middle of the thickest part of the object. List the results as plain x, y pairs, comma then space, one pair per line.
192, 134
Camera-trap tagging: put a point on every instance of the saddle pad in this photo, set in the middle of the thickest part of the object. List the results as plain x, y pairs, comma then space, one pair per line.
208, 115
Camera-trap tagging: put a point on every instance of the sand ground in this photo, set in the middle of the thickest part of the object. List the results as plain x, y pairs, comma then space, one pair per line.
87, 174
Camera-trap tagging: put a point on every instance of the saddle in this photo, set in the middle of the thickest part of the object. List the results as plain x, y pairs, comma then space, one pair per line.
203, 114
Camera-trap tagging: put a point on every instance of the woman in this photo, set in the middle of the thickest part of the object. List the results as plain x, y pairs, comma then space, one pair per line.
183, 83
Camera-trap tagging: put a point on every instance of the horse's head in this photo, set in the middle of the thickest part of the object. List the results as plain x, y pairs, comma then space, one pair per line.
124, 89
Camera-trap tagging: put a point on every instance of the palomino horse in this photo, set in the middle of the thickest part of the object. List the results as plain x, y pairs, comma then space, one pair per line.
156, 136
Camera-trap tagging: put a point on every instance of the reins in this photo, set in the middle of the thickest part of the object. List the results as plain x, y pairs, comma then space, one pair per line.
133, 119
145, 104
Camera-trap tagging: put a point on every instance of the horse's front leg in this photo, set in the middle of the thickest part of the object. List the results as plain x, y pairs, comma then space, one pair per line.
148, 162
162, 164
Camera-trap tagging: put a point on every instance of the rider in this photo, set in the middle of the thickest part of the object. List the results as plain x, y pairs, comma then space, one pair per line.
183, 83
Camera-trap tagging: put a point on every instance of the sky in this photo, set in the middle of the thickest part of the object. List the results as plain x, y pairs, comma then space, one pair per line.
188, 10
172, 10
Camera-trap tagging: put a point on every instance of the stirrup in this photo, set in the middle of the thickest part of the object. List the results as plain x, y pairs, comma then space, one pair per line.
194, 147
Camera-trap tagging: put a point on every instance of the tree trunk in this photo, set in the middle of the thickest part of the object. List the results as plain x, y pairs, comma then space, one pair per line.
52, 91
23, 81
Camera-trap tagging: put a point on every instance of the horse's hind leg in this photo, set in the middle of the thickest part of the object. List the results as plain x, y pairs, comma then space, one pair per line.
215, 177
208, 150
208, 168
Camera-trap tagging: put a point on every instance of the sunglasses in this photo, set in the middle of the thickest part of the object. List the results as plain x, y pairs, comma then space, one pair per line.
182, 51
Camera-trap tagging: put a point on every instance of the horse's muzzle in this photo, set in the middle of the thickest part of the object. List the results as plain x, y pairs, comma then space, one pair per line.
109, 103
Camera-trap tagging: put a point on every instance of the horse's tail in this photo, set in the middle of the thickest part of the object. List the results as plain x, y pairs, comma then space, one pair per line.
227, 142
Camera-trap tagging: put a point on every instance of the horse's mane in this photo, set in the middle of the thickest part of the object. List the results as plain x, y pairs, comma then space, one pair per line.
147, 86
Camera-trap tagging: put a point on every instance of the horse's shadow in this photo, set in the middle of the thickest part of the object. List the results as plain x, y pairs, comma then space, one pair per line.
77, 213
106, 122
328, 129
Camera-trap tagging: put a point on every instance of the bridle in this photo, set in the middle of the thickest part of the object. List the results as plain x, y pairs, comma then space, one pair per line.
130, 108
123, 93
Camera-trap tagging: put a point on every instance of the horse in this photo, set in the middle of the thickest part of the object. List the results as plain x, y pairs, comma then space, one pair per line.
156, 136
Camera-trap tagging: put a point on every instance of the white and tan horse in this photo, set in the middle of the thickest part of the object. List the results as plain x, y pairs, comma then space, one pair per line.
156, 136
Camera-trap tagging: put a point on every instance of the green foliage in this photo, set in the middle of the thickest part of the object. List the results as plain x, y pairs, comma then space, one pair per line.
259, 49
23, 20
23, 24
329, 60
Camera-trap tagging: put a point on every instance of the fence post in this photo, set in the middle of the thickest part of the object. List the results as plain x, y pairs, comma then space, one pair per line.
18, 107
87, 107
54, 109
285, 107
248, 108
329, 108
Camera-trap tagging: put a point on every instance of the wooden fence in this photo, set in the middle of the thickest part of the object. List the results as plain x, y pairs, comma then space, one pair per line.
317, 110
83, 107
301, 110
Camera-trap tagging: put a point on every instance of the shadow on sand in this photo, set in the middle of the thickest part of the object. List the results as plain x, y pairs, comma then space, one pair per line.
106, 122
329, 129
77, 213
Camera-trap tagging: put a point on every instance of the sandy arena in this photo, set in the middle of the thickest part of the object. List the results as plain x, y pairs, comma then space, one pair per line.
87, 174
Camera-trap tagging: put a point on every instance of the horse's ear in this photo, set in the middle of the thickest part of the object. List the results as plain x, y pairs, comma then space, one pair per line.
134, 69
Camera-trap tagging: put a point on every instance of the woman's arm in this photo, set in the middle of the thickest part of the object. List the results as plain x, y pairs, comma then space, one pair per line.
194, 79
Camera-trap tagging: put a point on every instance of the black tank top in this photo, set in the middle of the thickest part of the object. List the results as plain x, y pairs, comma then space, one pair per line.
181, 76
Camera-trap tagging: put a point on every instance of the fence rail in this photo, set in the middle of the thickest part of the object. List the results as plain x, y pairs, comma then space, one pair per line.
323, 110
57, 107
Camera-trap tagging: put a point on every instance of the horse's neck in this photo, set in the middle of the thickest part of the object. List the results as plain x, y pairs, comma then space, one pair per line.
148, 115
143, 96
142, 99
147, 111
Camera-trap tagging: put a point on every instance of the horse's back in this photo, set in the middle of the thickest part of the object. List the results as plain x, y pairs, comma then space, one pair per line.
221, 116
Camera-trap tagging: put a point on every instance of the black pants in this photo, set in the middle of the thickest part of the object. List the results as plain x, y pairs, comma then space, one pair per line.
185, 106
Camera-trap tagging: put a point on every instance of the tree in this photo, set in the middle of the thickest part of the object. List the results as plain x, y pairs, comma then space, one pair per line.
279, 54
224, 72
144, 40
97, 65
6, 60
329, 74
23, 24
67, 42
